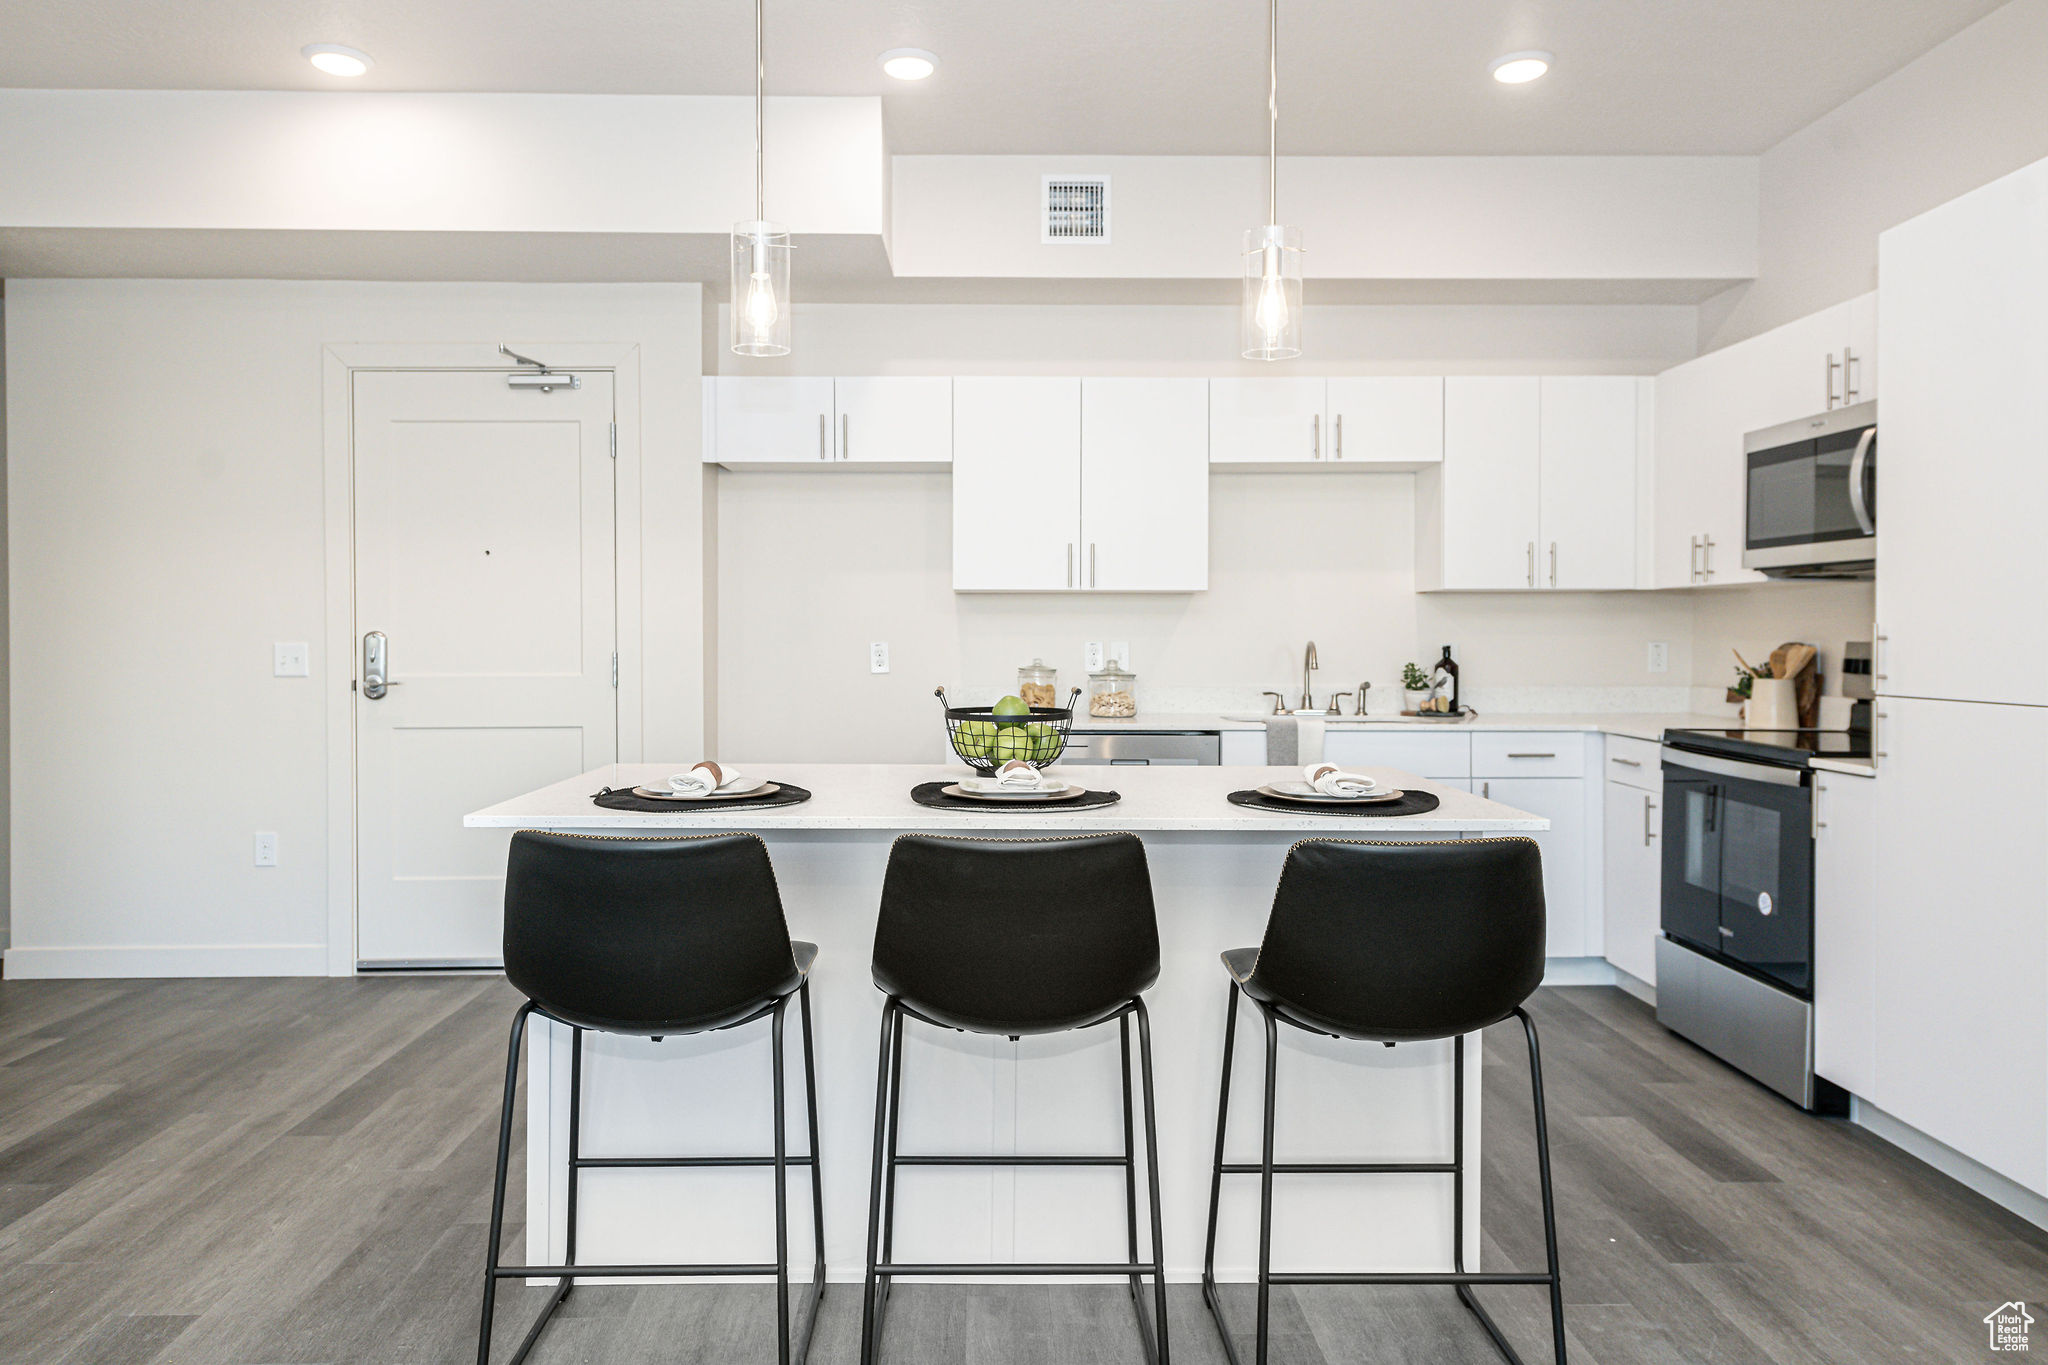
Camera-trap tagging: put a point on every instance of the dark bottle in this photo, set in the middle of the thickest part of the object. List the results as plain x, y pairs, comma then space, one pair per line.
1445, 681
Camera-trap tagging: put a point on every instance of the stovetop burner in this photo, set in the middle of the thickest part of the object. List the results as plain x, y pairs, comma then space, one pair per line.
1789, 748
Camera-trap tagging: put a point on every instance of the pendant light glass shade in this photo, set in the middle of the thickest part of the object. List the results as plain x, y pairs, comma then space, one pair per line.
760, 289
1271, 311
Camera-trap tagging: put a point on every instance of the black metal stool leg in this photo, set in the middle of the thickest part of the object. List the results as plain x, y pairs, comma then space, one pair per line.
781, 1192
575, 1148
1210, 1292
1266, 1183
803, 997
1549, 1209
1123, 1026
483, 1343
868, 1335
1152, 1176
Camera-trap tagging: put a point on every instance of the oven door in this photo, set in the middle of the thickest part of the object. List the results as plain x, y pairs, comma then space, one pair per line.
1811, 496
1691, 909
1738, 866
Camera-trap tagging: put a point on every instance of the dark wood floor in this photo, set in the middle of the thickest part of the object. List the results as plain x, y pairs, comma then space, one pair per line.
288, 1172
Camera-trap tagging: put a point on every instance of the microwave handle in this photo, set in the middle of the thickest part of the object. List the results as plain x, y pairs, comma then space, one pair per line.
1857, 465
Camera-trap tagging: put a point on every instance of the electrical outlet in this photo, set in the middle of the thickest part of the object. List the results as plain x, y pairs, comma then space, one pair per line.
266, 848
1121, 652
290, 660
1660, 657
878, 657
1094, 656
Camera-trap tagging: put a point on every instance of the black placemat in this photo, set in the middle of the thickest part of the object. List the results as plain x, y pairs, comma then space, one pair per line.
1410, 803
933, 794
622, 798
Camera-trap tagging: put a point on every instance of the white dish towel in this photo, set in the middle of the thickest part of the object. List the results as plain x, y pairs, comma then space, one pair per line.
704, 779
1014, 776
1331, 780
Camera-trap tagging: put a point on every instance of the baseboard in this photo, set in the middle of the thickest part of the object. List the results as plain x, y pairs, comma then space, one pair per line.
1578, 971
204, 959
1636, 986
2000, 1190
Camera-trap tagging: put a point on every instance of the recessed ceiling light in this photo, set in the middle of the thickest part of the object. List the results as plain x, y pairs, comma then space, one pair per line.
1518, 68
337, 60
908, 63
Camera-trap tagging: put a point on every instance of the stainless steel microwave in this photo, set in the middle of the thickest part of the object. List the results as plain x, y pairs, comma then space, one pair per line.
1811, 496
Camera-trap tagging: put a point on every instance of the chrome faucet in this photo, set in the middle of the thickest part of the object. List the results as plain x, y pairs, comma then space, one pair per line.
1308, 666
1279, 702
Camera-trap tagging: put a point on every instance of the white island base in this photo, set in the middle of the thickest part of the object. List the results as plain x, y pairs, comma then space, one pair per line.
1213, 866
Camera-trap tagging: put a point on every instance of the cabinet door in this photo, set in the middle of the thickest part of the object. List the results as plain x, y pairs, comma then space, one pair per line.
1267, 421
1962, 929
1145, 485
773, 420
1016, 484
1795, 370
894, 419
1387, 419
1438, 757
1845, 931
1562, 801
1633, 876
1962, 486
1490, 482
1859, 379
1588, 478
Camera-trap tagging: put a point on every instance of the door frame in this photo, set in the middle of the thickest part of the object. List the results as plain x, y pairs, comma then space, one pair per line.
339, 365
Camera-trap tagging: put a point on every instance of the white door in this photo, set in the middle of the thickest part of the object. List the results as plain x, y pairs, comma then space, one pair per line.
1016, 484
1145, 484
1634, 877
1962, 929
1588, 500
1387, 419
1562, 801
483, 557
1267, 421
1962, 485
1490, 482
773, 420
1845, 930
894, 419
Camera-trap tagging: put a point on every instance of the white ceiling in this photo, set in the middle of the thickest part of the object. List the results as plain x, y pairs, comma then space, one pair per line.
1358, 77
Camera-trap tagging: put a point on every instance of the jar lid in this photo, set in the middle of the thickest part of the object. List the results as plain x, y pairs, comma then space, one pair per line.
1111, 671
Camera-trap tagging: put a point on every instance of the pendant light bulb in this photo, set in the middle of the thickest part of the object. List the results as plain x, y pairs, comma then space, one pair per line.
760, 249
1270, 315
762, 312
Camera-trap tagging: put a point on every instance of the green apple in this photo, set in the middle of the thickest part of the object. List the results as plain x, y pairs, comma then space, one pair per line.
1045, 742
1011, 743
973, 738
1012, 706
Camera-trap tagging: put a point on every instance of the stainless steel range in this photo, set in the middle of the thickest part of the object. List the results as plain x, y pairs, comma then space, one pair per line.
1735, 962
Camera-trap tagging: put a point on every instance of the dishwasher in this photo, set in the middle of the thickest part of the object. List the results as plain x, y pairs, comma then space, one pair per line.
1144, 748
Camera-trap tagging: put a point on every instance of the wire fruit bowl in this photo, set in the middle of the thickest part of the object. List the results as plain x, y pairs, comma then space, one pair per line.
985, 741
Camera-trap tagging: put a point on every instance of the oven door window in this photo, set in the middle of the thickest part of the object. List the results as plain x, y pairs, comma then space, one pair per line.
1767, 880
1691, 911
1799, 493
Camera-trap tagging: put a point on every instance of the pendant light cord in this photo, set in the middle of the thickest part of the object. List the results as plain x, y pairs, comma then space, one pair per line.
1272, 111
760, 84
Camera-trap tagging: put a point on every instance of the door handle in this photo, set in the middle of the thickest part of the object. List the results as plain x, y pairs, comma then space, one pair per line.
1859, 463
824, 437
1337, 434
1315, 436
843, 421
1532, 563
1818, 823
1695, 564
376, 654
1833, 365
1070, 563
1091, 563
1849, 390
1707, 558
1553, 563
1648, 833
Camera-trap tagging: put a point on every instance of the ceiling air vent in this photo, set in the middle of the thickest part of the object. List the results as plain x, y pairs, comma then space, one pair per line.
1076, 209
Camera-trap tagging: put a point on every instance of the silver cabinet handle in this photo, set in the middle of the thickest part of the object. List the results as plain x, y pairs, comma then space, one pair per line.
1091, 563
1315, 436
1630, 762
824, 437
1818, 823
1877, 640
1532, 755
1706, 558
1532, 563
376, 657
1648, 833
1695, 565
1486, 791
1850, 393
1877, 749
1858, 464
1833, 365
1070, 563
1553, 563
1337, 433
842, 435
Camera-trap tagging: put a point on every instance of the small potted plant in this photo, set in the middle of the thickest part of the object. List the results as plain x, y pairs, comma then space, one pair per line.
1414, 689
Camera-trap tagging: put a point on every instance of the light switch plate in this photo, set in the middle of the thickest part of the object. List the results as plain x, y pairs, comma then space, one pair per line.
1660, 657
291, 660
1120, 651
1093, 656
878, 657
266, 848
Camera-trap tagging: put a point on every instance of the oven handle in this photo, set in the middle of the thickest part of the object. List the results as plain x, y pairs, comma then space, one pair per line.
1726, 767
1857, 464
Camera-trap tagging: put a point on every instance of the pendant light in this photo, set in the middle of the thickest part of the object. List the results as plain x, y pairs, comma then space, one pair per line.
1271, 321
760, 250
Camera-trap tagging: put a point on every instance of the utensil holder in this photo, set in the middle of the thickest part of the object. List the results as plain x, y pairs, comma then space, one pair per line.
1773, 704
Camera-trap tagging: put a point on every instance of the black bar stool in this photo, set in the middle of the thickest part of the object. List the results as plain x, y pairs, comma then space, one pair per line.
1014, 936
1392, 943
652, 936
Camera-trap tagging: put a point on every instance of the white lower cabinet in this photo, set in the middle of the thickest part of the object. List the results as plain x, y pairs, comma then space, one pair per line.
1426, 755
1961, 929
1632, 854
1562, 801
1845, 931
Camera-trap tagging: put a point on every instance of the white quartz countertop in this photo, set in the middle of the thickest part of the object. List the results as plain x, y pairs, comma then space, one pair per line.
1145, 722
877, 797
1639, 725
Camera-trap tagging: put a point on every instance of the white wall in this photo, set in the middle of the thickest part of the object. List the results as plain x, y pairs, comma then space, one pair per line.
166, 526
1969, 111
1756, 618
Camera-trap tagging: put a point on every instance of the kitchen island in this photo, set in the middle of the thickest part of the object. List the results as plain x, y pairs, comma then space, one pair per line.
1213, 865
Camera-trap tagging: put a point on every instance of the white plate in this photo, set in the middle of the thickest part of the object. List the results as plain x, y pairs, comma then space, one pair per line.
1067, 793
1303, 792
986, 786
760, 786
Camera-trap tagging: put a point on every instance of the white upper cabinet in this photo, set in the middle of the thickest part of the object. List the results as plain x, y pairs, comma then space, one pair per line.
883, 421
1144, 485
761, 420
1588, 475
1016, 484
1387, 419
894, 419
1962, 483
1267, 421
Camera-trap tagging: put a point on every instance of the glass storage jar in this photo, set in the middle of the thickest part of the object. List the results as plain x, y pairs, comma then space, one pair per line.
1038, 685
1112, 693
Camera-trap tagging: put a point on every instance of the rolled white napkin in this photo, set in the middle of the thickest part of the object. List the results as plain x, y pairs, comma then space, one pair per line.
1017, 775
704, 779
1331, 780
